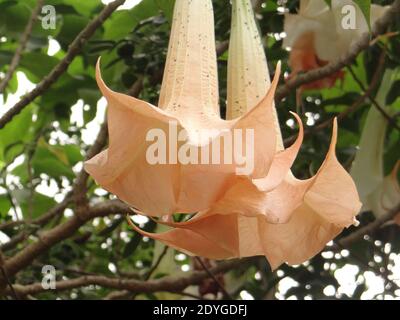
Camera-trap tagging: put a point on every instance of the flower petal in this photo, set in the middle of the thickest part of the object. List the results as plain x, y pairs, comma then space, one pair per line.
190, 84
282, 163
306, 234
333, 194
262, 120
191, 242
248, 74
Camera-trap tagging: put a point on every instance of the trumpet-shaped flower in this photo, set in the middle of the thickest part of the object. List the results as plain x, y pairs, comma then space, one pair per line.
318, 34
188, 105
378, 193
279, 216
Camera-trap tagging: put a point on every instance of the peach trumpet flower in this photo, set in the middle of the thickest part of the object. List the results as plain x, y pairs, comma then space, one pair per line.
278, 216
318, 34
189, 100
379, 193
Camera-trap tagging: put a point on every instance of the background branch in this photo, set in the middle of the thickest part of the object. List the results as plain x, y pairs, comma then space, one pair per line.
74, 49
22, 45
379, 27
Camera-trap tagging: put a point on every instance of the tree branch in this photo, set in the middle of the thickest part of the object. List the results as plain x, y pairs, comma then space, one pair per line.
370, 228
61, 232
4, 275
380, 26
22, 45
74, 49
354, 107
166, 284
391, 121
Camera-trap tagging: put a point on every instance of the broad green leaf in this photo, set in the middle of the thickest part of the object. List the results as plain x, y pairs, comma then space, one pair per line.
365, 6
5, 205
15, 134
37, 65
34, 204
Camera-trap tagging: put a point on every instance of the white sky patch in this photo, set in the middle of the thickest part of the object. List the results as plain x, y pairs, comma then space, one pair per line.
329, 291
284, 285
112, 267
180, 257
346, 276
49, 188
246, 296
77, 113
375, 285
185, 268
140, 220
129, 4
89, 133
24, 86
54, 47
4, 238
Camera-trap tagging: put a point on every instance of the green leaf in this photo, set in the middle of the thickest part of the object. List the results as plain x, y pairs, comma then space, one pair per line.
393, 94
132, 245
167, 7
37, 202
5, 205
365, 6
51, 160
15, 134
72, 25
123, 22
37, 65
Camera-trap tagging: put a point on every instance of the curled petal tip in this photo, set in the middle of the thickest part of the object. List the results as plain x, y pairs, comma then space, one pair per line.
356, 223
278, 69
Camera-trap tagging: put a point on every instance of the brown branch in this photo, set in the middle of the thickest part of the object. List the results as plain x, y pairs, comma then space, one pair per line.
80, 186
35, 224
354, 107
391, 121
363, 43
4, 275
157, 263
61, 232
22, 45
370, 228
42, 219
74, 49
166, 284
212, 276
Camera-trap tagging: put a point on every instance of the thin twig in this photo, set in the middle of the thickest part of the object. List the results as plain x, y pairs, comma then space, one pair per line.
157, 263
363, 43
376, 104
74, 49
369, 228
354, 107
166, 284
212, 276
5, 276
22, 45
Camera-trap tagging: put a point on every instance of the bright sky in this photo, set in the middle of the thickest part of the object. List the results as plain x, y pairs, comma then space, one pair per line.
127, 5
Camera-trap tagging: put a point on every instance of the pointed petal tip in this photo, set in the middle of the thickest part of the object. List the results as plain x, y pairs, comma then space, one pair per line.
278, 69
334, 135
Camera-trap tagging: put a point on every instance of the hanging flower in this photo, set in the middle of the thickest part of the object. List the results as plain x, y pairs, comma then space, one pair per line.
185, 125
378, 193
279, 216
318, 35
